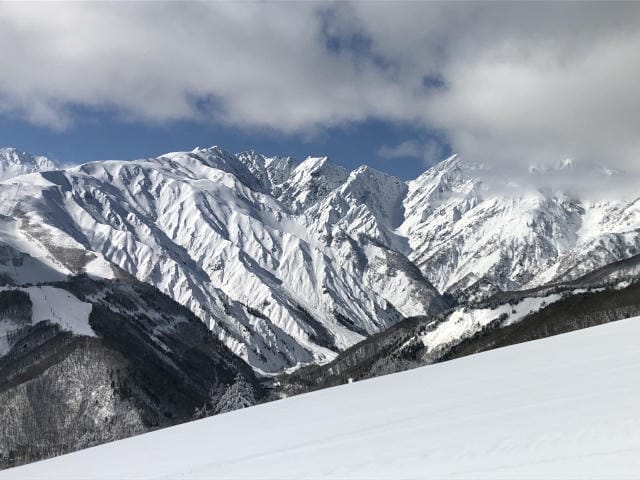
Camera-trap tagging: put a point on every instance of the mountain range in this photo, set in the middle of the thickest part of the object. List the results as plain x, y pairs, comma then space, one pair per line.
289, 263
140, 294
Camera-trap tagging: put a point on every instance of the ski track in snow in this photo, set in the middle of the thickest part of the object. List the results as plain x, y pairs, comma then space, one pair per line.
561, 407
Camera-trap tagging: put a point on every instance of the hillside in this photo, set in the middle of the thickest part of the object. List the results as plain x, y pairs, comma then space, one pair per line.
86, 361
562, 407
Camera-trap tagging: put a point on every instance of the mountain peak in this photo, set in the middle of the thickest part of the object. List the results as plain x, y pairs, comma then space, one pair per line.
311, 181
271, 172
14, 162
337, 255
380, 192
316, 163
366, 171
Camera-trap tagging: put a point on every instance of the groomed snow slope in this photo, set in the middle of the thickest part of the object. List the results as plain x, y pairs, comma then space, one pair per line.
562, 407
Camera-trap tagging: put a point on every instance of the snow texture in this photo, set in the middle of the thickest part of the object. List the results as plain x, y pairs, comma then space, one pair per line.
61, 307
236, 239
464, 322
468, 226
53, 305
289, 264
561, 407
14, 163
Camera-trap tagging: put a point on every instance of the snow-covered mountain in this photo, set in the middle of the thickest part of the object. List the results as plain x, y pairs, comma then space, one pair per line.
14, 162
237, 239
290, 263
477, 230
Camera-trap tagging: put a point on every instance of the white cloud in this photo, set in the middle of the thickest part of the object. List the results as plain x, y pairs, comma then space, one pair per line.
517, 83
406, 149
430, 152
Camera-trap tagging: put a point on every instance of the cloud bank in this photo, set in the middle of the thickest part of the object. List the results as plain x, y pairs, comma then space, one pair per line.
512, 84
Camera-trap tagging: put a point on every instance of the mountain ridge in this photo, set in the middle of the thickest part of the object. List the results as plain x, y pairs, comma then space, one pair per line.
198, 226
14, 162
289, 263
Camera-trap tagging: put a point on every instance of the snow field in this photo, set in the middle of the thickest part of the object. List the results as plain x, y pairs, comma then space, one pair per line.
561, 407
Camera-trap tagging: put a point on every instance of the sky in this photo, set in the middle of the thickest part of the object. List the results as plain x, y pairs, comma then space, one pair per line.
102, 137
398, 86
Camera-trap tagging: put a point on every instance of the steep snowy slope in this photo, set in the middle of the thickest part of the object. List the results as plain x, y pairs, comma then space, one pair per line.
290, 263
563, 407
310, 182
14, 163
271, 172
203, 227
358, 220
473, 228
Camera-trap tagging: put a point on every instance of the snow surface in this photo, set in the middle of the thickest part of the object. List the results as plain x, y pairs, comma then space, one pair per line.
27, 261
99, 268
465, 321
14, 162
59, 306
54, 305
561, 407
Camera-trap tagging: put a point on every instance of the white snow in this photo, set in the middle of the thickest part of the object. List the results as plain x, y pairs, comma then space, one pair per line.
99, 268
59, 306
14, 162
465, 321
36, 264
562, 407
226, 234
55, 305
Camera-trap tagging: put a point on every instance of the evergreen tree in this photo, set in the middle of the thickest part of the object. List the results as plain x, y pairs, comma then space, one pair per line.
239, 395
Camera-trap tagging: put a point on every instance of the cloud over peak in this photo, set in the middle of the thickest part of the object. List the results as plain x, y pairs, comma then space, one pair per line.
505, 83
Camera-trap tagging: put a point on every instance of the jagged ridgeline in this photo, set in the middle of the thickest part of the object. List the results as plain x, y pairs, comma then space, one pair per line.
290, 263
286, 263
88, 361
605, 295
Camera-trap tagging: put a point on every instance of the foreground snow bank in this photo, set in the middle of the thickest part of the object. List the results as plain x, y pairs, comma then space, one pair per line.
562, 407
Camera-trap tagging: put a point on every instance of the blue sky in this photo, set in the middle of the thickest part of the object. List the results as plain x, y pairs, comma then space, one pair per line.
392, 84
101, 136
